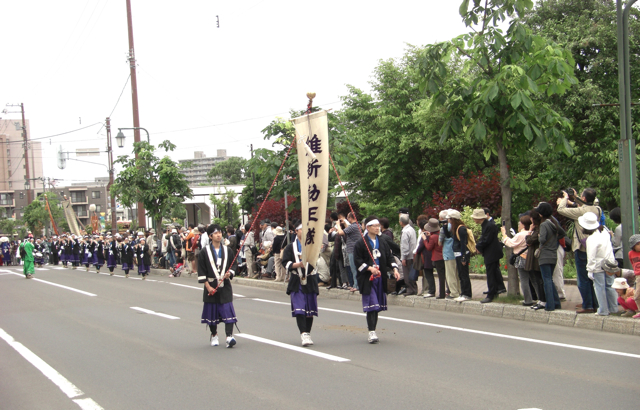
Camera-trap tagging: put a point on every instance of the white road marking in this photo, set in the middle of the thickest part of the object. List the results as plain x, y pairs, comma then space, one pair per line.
87, 404
198, 288
59, 380
151, 312
60, 286
480, 332
42, 269
294, 348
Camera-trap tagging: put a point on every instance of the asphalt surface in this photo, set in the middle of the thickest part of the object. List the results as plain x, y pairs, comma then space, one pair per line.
121, 358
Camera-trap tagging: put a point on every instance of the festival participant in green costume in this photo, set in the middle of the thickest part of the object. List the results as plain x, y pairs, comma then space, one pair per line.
28, 267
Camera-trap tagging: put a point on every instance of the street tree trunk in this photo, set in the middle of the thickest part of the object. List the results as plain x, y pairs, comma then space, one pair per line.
505, 189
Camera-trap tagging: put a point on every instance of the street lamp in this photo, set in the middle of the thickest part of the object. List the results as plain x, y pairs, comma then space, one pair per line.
120, 137
27, 186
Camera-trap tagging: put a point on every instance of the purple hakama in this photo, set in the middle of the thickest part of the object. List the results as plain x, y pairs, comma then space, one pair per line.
376, 301
111, 261
214, 313
304, 303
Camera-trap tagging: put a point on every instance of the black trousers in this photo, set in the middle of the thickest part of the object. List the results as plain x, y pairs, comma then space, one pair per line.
228, 329
463, 274
372, 321
304, 323
495, 282
442, 279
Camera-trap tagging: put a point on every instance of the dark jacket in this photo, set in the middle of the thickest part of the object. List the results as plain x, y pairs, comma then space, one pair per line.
533, 242
278, 241
550, 234
363, 261
288, 259
488, 244
224, 294
142, 254
126, 254
460, 239
395, 248
423, 253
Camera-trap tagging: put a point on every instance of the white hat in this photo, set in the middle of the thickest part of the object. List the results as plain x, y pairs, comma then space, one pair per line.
140, 233
174, 230
453, 214
589, 221
620, 283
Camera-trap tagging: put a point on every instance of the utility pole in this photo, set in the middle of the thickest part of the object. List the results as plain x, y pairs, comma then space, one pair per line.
134, 96
114, 219
253, 175
626, 145
26, 151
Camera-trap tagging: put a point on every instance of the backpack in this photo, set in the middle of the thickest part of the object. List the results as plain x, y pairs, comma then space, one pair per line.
193, 242
471, 242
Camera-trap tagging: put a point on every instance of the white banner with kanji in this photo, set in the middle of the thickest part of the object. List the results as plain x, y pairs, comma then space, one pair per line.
313, 130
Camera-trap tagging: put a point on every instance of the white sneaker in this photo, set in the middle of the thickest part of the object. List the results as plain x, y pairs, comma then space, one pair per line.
459, 299
428, 295
306, 339
214, 340
231, 341
373, 337
309, 339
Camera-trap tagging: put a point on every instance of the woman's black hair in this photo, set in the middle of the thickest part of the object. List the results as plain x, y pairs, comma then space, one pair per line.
616, 215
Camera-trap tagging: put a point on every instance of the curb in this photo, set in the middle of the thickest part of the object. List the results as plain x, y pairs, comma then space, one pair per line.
615, 324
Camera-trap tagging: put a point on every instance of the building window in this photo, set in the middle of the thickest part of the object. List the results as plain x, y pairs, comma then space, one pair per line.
6, 199
8, 150
98, 208
9, 162
21, 195
95, 194
9, 172
80, 210
10, 184
78, 196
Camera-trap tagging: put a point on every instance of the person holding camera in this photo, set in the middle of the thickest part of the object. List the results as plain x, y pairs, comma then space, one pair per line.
579, 243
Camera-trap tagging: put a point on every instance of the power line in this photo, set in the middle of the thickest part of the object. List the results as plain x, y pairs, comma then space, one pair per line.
50, 136
121, 92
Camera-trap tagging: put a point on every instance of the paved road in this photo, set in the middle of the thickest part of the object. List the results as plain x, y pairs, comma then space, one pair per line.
116, 357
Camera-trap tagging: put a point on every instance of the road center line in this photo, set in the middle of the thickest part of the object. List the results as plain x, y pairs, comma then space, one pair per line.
60, 286
294, 348
52, 374
480, 332
151, 312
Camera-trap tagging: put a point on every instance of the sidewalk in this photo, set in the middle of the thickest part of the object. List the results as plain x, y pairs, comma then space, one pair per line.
566, 316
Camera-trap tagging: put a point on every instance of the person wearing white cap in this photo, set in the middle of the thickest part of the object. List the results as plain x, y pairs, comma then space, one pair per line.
599, 248
451, 270
626, 293
303, 288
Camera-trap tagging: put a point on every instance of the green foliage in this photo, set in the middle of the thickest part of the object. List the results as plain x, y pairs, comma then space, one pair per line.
588, 28
221, 201
36, 217
232, 171
266, 162
398, 160
156, 182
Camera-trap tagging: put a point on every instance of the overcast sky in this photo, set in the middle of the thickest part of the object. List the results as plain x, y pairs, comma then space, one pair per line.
204, 88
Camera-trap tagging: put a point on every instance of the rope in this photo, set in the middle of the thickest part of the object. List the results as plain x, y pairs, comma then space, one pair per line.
256, 218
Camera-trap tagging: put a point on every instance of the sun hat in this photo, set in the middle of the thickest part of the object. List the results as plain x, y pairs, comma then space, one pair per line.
634, 240
453, 214
588, 221
442, 215
610, 266
478, 214
174, 230
432, 226
620, 283
279, 231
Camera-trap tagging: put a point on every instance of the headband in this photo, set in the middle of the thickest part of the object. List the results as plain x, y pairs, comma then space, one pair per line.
215, 230
373, 222
299, 227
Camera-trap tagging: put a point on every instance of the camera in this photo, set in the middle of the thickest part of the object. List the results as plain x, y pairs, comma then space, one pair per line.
571, 192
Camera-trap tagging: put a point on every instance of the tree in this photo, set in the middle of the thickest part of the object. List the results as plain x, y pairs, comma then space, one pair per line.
397, 159
266, 162
36, 216
501, 98
588, 28
156, 182
231, 171
221, 201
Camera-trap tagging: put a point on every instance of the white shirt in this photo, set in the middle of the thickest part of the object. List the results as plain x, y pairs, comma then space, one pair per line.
598, 248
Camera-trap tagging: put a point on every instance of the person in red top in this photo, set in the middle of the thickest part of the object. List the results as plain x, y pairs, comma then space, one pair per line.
430, 240
634, 257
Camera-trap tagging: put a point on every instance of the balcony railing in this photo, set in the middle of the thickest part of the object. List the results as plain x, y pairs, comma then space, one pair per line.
76, 199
